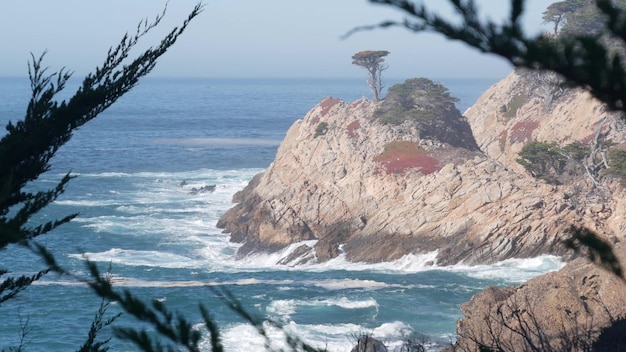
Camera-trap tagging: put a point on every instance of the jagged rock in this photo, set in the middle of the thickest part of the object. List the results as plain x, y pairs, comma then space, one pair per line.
377, 192
568, 310
368, 344
572, 115
301, 255
203, 189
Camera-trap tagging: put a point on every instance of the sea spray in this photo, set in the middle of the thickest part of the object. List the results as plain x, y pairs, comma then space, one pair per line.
162, 243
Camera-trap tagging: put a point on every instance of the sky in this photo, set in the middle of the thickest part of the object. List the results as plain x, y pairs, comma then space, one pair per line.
244, 38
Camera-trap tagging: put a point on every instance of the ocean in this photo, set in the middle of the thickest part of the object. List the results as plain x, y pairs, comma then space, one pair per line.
160, 240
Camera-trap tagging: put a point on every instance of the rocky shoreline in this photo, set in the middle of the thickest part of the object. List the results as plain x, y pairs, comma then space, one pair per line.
375, 192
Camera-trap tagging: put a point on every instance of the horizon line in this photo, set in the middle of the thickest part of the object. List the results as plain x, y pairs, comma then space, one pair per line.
279, 78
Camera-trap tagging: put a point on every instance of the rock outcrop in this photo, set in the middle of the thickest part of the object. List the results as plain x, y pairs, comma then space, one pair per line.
377, 191
368, 344
580, 306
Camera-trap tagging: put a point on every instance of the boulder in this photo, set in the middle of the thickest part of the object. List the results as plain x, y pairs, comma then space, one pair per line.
368, 344
580, 307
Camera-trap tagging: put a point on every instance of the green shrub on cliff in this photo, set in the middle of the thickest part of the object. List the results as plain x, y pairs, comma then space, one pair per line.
321, 129
542, 160
577, 150
617, 162
429, 108
516, 102
558, 165
554, 164
416, 99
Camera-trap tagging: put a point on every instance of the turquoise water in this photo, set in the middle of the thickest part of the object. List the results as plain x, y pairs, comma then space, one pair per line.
161, 241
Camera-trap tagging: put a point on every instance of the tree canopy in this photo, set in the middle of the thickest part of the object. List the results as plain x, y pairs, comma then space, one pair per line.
557, 13
416, 99
374, 63
582, 59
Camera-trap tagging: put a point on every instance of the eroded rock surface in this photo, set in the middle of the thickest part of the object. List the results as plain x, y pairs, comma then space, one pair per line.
568, 310
377, 192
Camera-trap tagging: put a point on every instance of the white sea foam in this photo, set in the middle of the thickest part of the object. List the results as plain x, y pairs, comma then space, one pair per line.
156, 206
284, 308
282, 284
139, 258
512, 270
262, 261
343, 284
257, 261
148, 225
86, 203
104, 174
332, 337
122, 281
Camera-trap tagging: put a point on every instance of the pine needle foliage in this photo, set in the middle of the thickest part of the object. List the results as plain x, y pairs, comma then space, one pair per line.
29, 145
25, 154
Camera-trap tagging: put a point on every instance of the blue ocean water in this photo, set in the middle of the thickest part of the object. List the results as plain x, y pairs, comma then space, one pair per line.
161, 241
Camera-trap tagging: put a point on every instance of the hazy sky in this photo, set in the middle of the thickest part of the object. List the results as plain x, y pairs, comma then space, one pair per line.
242, 38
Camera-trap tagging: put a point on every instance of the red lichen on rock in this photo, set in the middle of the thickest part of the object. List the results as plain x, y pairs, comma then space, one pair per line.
523, 131
400, 156
587, 140
361, 102
592, 136
351, 129
328, 103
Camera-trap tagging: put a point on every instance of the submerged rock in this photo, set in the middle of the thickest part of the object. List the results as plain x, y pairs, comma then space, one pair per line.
203, 189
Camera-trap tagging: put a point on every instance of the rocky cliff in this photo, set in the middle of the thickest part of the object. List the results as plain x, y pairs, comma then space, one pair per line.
378, 180
579, 308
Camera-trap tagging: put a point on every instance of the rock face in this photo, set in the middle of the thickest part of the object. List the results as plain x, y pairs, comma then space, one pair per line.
368, 344
579, 307
377, 191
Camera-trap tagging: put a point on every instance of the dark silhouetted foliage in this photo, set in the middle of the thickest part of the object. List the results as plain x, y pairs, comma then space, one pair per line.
25, 153
617, 162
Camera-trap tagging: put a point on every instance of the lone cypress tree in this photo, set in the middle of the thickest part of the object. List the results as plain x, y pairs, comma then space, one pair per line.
557, 14
374, 63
